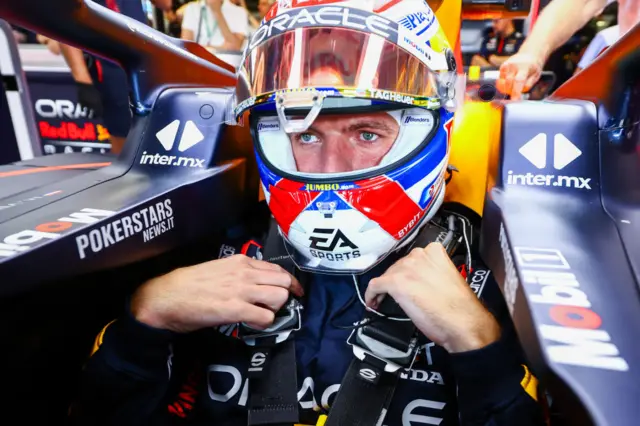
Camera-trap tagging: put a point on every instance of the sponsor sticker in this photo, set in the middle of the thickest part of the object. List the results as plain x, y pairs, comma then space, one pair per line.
269, 126
151, 222
326, 16
167, 138
420, 23
562, 152
413, 120
25, 240
574, 332
324, 242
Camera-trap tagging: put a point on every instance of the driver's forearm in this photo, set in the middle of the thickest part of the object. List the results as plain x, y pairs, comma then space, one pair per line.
557, 23
75, 60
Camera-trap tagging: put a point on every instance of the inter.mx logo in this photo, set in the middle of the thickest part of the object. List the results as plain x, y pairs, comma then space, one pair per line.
564, 153
167, 137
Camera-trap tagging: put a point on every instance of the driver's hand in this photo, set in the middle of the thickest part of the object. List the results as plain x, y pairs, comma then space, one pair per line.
431, 291
519, 73
225, 291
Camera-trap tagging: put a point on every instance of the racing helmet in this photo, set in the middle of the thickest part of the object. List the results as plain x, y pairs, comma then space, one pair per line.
350, 105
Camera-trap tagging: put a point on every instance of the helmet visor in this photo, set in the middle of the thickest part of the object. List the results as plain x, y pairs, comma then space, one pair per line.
337, 62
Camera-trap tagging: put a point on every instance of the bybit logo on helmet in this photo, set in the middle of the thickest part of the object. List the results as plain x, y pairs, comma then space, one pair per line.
324, 241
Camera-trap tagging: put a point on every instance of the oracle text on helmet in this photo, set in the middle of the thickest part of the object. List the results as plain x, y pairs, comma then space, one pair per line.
332, 16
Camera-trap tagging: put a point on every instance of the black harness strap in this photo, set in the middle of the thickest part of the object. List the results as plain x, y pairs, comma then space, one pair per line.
384, 347
373, 398
273, 383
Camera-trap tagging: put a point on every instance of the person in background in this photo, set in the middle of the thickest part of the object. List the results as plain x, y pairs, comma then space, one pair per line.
22, 35
498, 44
215, 24
556, 24
263, 8
52, 45
599, 44
102, 85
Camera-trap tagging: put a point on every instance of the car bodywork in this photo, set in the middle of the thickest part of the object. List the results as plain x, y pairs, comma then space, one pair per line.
77, 234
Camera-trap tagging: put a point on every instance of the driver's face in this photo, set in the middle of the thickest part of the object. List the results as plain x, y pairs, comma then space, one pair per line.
344, 143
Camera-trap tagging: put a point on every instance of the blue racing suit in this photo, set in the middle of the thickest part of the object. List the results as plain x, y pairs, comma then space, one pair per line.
140, 375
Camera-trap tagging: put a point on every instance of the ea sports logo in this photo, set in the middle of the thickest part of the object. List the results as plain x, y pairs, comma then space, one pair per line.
325, 242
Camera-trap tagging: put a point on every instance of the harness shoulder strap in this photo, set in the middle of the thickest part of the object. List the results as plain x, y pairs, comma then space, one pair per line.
273, 382
384, 347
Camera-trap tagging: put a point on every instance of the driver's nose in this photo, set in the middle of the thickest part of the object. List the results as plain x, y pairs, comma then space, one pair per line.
335, 156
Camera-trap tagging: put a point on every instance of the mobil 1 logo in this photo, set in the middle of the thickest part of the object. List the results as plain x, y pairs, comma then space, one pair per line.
324, 242
572, 328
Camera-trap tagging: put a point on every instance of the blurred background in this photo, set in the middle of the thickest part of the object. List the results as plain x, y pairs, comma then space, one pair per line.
73, 116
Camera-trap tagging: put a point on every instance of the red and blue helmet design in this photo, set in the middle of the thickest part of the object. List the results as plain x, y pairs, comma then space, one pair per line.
350, 106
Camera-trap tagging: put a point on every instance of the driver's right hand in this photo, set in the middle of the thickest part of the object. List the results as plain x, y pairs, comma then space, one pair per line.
224, 291
519, 73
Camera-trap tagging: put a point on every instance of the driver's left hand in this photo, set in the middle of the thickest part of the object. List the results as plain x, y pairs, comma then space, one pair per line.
431, 291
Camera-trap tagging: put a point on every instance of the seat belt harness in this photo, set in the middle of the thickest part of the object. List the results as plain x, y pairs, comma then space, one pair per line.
381, 349
273, 386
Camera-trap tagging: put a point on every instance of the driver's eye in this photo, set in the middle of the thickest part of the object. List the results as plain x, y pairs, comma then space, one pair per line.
308, 138
368, 136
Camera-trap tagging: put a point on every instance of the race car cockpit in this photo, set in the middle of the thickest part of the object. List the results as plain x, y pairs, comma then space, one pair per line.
555, 181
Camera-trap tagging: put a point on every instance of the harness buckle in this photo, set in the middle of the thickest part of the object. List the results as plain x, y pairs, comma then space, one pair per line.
288, 319
373, 347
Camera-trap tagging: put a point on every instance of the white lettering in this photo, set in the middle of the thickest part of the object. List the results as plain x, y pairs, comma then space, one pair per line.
87, 216
123, 228
328, 392
95, 240
589, 348
257, 360
554, 295
29, 237
303, 16
346, 23
332, 11
422, 376
237, 381
530, 179
409, 419
61, 108
511, 282
307, 385
82, 241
